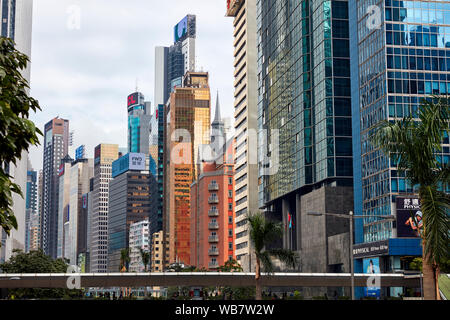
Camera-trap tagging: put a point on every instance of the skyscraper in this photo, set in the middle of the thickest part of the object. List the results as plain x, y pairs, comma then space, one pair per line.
399, 59
64, 176
56, 145
104, 155
138, 123
31, 204
188, 127
304, 117
245, 121
172, 63
17, 24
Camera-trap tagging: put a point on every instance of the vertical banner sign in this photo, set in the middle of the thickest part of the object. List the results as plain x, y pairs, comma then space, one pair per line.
372, 266
409, 217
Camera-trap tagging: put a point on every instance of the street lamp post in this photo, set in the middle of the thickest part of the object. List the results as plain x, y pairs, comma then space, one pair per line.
351, 217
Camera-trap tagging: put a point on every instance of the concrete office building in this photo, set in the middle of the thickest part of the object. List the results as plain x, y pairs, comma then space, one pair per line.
16, 23
156, 253
188, 127
104, 155
139, 240
212, 201
129, 202
138, 123
399, 62
56, 145
63, 201
245, 122
172, 63
305, 142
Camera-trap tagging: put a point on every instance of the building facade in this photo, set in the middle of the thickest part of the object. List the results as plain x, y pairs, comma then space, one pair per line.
56, 145
399, 60
17, 18
31, 204
104, 155
139, 240
245, 121
64, 176
138, 123
129, 202
212, 202
187, 127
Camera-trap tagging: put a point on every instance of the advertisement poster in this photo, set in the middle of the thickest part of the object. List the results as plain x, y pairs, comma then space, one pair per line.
371, 266
409, 217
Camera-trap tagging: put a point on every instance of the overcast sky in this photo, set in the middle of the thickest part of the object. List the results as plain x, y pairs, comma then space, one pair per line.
85, 75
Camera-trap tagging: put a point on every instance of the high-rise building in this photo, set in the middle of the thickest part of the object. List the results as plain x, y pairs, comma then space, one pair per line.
187, 127
212, 201
156, 253
245, 121
129, 202
399, 59
172, 63
63, 202
156, 152
35, 224
104, 155
56, 144
31, 204
138, 123
304, 117
16, 24
139, 240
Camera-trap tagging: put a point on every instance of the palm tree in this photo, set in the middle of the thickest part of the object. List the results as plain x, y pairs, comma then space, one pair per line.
145, 256
262, 233
124, 260
412, 144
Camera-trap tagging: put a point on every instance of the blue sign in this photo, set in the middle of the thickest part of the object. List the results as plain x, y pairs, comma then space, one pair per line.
181, 29
371, 266
130, 161
80, 152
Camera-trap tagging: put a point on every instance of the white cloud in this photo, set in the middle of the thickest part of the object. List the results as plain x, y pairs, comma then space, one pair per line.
85, 75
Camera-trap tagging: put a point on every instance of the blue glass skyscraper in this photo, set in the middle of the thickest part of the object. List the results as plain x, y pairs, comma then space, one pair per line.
138, 123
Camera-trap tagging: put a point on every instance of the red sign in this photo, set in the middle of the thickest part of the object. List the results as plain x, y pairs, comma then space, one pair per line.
156, 113
133, 99
61, 170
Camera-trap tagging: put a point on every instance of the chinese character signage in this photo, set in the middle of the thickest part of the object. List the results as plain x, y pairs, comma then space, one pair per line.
409, 217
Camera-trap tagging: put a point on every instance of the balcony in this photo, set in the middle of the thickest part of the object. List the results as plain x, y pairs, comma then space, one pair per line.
213, 252
213, 265
233, 7
213, 199
213, 225
213, 213
213, 239
213, 187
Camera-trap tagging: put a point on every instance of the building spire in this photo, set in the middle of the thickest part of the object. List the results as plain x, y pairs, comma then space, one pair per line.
217, 117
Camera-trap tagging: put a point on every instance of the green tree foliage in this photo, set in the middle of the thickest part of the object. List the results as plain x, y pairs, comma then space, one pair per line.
264, 232
413, 144
230, 266
145, 256
124, 259
17, 132
37, 262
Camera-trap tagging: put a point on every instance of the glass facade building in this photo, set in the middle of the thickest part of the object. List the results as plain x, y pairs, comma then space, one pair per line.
399, 55
138, 123
304, 93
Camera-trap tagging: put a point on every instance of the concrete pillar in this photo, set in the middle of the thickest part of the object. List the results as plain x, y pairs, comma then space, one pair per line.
284, 214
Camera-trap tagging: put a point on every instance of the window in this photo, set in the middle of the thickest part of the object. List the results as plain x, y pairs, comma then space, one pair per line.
230, 194
230, 219
230, 180
230, 206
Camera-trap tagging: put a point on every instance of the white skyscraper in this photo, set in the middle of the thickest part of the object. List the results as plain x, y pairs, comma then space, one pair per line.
16, 24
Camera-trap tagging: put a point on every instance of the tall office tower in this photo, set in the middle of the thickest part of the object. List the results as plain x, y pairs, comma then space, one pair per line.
401, 60
188, 127
63, 202
36, 220
245, 122
87, 204
172, 63
212, 201
16, 24
138, 123
104, 155
139, 240
304, 114
156, 151
31, 204
129, 202
56, 145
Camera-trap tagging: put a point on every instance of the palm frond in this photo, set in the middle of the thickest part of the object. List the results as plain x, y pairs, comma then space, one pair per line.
288, 257
266, 261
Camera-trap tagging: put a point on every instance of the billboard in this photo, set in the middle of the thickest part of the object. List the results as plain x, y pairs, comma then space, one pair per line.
61, 170
371, 249
181, 29
130, 161
97, 153
371, 266
133, 99
80, 152
409, 217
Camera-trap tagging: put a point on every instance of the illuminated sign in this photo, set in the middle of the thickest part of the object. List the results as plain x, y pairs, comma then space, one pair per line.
80, 152
84, 201
181, 29
133, 99
409, 217
130, 161
97, 153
